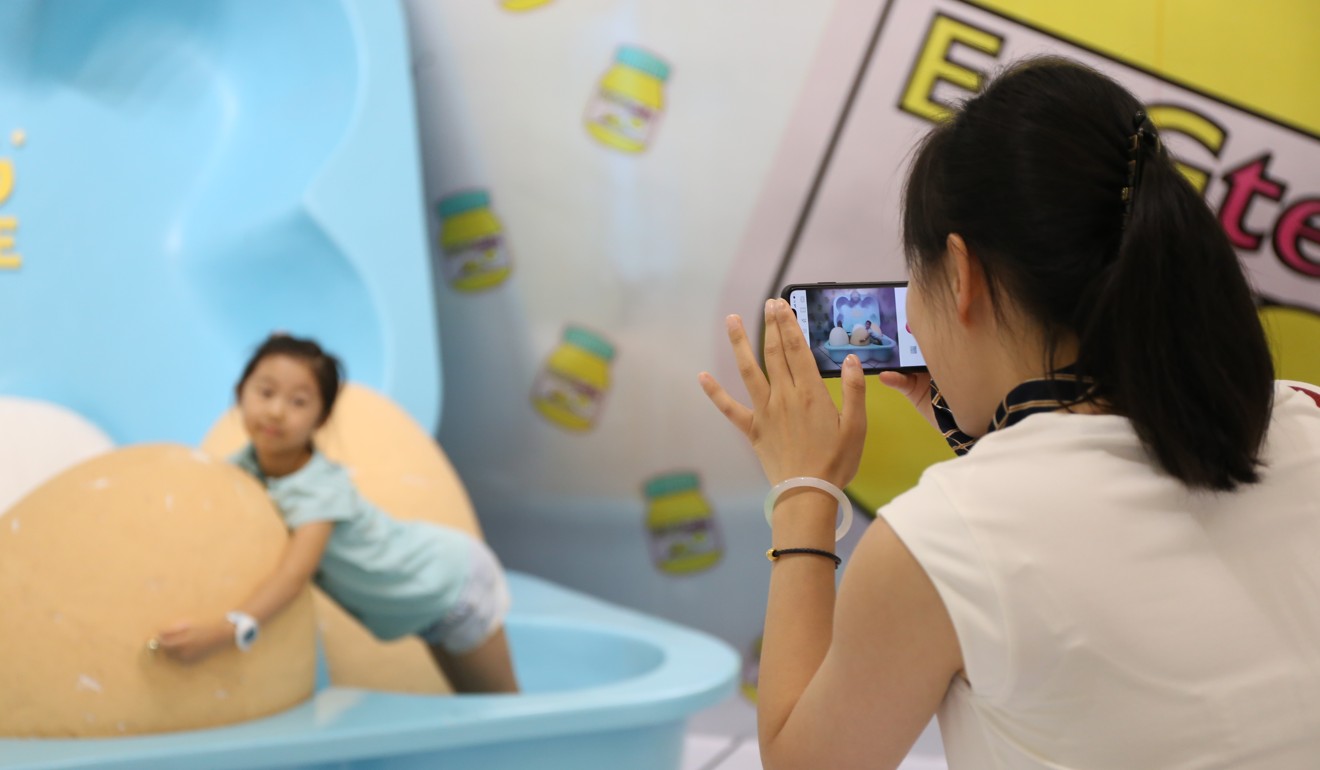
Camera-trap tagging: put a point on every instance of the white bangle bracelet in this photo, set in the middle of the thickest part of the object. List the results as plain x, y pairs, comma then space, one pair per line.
845, 505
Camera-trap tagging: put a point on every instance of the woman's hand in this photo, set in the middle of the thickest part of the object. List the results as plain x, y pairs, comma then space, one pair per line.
915, 388
189, 642
792, 423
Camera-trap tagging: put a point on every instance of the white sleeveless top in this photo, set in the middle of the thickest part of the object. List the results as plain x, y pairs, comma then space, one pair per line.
1109, 618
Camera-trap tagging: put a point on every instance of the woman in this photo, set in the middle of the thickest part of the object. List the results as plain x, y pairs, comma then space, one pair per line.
1122, 568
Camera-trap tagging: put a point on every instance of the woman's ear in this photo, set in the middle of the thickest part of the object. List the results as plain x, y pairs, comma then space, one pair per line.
968, 279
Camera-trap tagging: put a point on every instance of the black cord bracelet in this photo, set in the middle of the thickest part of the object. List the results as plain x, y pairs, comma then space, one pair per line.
774, 553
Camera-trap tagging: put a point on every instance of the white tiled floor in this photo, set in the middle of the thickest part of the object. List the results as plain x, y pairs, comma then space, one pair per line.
706, 752
710, 752
723, 737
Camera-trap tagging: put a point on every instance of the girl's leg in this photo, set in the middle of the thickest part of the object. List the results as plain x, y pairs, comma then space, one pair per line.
488, 668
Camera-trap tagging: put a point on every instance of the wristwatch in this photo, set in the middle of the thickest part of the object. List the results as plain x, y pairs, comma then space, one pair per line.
245, 629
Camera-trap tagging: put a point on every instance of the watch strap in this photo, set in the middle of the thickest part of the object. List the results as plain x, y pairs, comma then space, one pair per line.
246, 629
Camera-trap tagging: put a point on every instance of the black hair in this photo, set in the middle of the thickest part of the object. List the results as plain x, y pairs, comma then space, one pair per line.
1030, 172
326, 369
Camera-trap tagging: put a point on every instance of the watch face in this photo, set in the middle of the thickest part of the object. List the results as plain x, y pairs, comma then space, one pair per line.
249, 636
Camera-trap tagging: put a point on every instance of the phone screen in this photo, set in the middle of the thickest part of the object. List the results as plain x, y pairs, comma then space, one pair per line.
866, 319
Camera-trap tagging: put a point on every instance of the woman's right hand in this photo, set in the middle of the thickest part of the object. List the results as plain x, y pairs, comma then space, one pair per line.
792, 423
916, 389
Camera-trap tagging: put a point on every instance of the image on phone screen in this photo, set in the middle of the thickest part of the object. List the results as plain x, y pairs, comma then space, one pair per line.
865, 319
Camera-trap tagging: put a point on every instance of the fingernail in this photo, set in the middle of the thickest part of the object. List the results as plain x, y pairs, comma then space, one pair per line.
851, 360
769, 305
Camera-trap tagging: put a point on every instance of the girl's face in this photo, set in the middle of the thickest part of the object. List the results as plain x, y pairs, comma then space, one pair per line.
280, 405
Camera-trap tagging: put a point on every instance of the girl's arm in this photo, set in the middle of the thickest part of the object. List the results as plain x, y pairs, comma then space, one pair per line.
301, 557
188, 641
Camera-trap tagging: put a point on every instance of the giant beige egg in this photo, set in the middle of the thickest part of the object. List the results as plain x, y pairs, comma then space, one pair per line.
99, 558
400, 468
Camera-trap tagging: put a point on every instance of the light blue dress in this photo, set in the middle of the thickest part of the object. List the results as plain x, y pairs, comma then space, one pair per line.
396, 577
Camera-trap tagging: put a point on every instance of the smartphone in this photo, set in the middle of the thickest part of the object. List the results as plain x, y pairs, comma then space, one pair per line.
866, 319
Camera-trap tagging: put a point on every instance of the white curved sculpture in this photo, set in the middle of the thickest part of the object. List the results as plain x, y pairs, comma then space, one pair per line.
39, 440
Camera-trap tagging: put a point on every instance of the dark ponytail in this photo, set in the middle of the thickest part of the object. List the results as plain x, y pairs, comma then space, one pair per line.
1173, 338
1031, 173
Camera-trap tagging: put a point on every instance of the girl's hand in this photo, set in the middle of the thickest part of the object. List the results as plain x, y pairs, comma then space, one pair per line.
915, 388
189, 642
793, 424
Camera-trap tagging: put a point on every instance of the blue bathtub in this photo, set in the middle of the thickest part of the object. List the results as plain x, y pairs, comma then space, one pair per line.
604, 687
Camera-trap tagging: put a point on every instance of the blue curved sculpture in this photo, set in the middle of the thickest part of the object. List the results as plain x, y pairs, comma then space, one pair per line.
186, 178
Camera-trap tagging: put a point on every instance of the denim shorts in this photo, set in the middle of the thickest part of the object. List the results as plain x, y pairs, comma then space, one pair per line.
479, 611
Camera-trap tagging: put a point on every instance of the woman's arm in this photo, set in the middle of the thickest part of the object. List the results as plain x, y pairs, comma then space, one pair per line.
851, 689
188, 642
841, 686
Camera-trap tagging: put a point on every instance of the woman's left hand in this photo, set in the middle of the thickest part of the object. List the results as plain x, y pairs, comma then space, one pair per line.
189, 642
793, 425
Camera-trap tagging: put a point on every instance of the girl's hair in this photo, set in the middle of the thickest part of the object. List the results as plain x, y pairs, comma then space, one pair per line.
1031, 173
326, 369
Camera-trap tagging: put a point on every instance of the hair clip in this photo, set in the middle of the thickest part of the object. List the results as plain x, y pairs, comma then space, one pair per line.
1143, 133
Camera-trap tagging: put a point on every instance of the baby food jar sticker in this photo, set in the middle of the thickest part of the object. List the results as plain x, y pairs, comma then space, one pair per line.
628, 103
574, 381
522, 5
681, 525
472, 240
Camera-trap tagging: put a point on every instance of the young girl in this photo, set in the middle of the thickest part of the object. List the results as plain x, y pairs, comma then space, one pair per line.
1120, 570
397, 578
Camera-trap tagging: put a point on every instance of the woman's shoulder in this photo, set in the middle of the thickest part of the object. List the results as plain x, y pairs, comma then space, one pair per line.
1294, 391
1049, 466
1293, 439
927, 503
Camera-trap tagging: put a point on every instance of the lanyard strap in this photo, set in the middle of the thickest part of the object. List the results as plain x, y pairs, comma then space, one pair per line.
1046, 394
